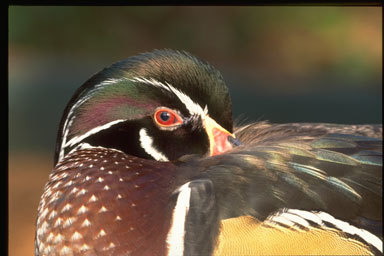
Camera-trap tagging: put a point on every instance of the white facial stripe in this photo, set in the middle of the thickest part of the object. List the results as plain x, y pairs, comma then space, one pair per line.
89, 95
97, 129
175, 237
70, 116
89, 146
193, 108
146, 142
65, 134
294, 215
150, 82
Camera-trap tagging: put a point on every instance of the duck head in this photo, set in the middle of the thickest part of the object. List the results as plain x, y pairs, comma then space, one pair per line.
159, 105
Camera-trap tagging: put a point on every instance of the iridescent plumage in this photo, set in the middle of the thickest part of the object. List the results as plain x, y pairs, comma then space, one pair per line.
282, 189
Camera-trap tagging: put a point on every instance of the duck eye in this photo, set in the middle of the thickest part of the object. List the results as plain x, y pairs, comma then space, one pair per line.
165, 117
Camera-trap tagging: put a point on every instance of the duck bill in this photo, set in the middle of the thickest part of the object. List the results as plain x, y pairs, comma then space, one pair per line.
219, 138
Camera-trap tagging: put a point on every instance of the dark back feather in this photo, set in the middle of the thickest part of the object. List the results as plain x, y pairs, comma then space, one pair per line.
331, 168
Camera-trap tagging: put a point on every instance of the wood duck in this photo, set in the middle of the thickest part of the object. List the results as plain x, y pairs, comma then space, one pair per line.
148, 163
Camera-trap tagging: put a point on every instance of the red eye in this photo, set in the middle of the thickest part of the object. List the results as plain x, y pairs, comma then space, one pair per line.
167, 117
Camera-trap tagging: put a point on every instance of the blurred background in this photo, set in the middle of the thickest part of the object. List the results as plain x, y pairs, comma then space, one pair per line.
282, 64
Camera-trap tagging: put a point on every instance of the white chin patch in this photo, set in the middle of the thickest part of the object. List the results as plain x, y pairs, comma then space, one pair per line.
146, 142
